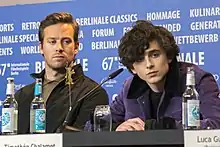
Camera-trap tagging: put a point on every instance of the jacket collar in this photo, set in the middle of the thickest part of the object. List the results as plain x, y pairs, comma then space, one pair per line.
76, 68
172, 85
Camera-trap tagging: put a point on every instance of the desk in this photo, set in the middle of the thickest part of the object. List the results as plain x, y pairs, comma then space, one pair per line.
156, 138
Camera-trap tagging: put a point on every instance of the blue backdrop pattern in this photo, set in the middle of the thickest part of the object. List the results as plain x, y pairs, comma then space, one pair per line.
195, 25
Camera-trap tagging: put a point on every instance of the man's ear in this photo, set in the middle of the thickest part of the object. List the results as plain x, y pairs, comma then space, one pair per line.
41, 48
133, 71
76, 49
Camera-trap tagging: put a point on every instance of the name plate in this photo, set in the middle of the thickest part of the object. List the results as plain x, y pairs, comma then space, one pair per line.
202, 138
32, 140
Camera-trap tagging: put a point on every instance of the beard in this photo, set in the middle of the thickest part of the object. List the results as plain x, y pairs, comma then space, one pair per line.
57, 66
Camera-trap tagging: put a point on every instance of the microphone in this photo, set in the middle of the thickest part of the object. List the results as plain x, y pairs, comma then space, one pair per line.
69, 113
114, 74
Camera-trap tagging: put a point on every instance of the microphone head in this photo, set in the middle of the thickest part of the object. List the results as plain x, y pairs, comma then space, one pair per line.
114, 74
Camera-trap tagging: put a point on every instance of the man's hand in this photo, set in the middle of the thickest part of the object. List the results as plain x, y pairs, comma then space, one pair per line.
134, 124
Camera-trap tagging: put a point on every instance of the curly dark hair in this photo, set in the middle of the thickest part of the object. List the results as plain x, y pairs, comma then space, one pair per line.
136, 41
55, 18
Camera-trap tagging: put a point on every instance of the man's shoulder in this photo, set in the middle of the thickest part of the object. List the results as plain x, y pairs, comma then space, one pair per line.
28, 87
89, 83
199, 72
25, 91
183, 68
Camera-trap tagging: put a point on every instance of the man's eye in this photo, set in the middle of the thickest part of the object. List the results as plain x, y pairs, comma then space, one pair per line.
52, 41
155, 55
66, 41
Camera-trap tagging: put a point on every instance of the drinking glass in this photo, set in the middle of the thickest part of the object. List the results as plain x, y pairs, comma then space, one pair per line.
102, 118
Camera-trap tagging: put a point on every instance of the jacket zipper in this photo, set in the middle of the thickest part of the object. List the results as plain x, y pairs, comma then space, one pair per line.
158, 108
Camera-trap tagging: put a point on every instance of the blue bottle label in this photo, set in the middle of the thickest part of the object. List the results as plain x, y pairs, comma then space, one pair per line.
193, 113
37, 89
40, 120
9, 119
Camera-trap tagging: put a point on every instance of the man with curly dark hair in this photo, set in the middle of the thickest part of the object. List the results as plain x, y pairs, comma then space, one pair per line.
155, 89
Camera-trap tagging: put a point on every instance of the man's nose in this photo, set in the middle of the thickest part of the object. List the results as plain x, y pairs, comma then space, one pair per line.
59, 48
148, 63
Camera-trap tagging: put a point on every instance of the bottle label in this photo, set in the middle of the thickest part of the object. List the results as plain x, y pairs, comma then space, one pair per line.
193, 112
39, 120
32, 115
37, 89
9, 120
190, 79
10, 89
184, 114
16, 120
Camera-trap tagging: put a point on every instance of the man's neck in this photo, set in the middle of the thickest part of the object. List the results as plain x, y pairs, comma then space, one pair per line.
53, 75
158, 87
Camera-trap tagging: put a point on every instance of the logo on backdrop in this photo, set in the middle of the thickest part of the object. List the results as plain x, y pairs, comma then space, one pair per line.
14, 68
110, 83
216, 76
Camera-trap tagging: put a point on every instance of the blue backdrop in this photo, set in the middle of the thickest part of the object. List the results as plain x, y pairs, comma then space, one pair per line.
195, 24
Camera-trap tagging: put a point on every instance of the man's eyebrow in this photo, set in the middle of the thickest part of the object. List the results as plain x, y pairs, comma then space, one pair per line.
151, 51
58, 38
52, 38
66, 38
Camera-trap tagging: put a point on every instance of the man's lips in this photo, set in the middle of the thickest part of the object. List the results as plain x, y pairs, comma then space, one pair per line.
151, 73
58, 56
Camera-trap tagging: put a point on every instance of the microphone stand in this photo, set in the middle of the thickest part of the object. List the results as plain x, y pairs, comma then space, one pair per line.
69, 81
65, 126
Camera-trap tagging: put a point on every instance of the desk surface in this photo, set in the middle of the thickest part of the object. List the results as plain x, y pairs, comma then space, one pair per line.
142, 138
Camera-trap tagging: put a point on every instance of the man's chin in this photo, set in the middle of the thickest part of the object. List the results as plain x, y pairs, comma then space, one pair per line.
58, 66
154, 80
